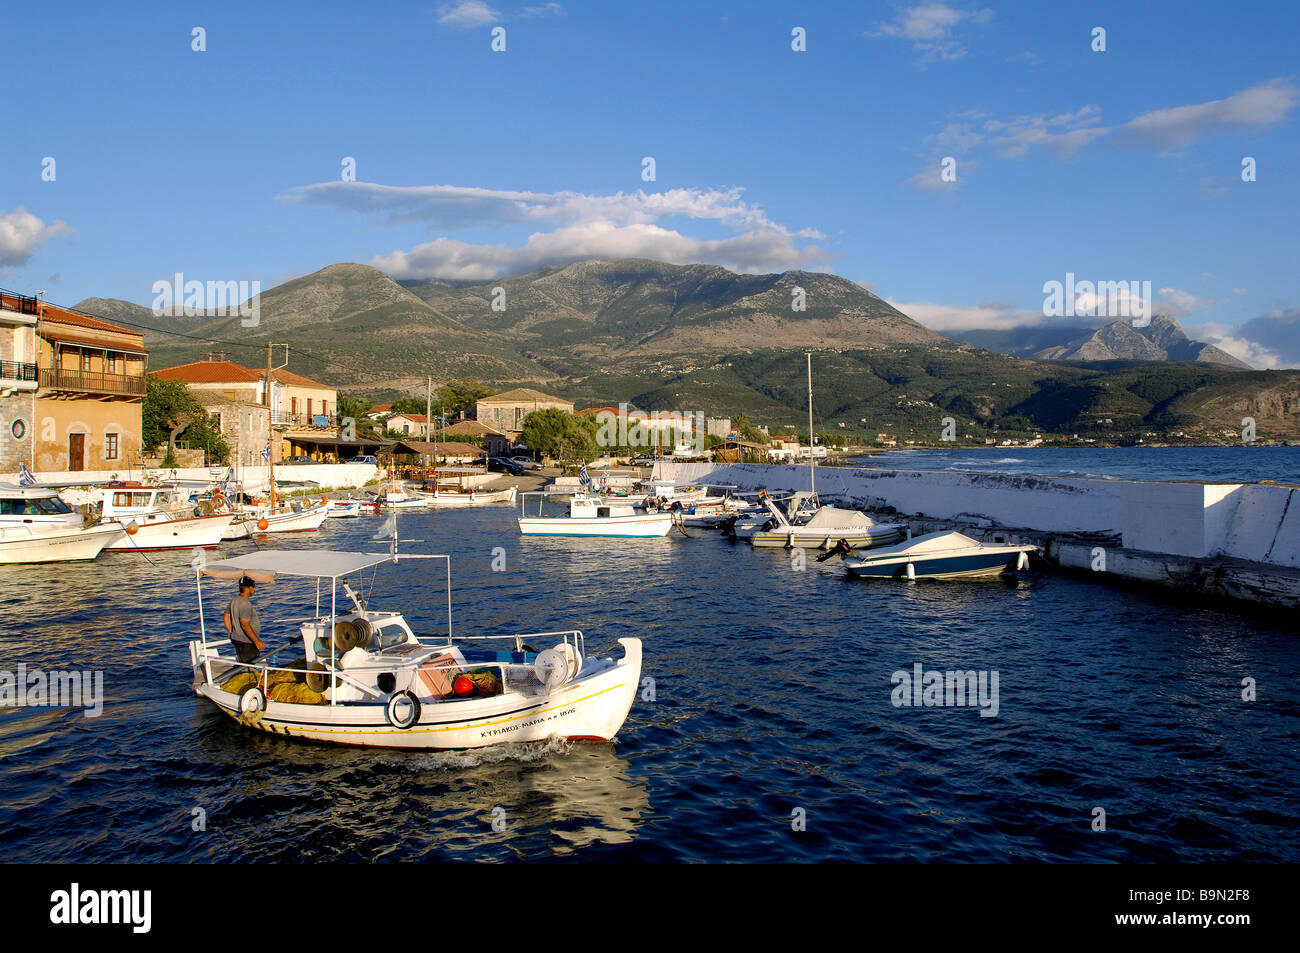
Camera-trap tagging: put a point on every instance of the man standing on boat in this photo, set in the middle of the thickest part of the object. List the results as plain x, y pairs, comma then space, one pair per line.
242, 625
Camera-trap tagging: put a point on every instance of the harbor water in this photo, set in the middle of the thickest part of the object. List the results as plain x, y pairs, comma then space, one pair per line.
769, 731
1210, 464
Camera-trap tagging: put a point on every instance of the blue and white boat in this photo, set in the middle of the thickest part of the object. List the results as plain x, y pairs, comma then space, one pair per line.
943, 555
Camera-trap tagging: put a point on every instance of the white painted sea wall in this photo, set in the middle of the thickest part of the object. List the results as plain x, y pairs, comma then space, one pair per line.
1255, 521
329, 476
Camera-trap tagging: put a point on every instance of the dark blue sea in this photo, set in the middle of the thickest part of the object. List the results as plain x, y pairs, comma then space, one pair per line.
771, 706
1244, 464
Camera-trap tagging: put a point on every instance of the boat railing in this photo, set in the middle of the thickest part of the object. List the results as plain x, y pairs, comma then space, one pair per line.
263, 667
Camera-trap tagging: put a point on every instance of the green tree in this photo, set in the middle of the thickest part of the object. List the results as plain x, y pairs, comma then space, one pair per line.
356, 408
170, 409
409, 405
566, 437
454, 396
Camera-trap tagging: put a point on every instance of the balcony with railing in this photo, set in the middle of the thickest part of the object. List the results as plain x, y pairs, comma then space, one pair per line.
17, 375
309, 421
92, 382
18, 309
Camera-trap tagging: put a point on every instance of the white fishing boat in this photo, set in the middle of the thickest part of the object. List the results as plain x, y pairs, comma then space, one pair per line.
158, 517
446, 488
943, 555
590, 516
284, 516
36, 526
355, 675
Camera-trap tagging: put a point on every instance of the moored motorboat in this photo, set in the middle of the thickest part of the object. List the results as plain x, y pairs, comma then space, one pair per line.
592, 516
344, 509
36, 526
159, 517
942, 555
827, 527
358, 676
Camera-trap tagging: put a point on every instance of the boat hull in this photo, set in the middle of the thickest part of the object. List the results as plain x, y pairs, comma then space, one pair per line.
777, 539
75, 546
202, 532
592, 707
632, 527
476, 498
950, 567
307, 520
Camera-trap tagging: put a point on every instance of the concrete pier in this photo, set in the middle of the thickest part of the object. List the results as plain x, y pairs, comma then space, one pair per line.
1236, 541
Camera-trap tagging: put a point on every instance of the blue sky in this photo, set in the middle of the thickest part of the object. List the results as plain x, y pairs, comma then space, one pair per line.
226, 164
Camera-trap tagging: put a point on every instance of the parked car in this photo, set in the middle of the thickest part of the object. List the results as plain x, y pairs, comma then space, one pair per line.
528, 463
365, 458
504, 465
643, 461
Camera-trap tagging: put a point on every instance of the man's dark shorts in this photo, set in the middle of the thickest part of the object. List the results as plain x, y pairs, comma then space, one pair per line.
247, 650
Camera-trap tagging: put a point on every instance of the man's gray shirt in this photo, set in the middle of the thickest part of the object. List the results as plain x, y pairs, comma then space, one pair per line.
242, 608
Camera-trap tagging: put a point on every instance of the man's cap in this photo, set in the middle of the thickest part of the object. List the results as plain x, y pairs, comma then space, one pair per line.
246, 582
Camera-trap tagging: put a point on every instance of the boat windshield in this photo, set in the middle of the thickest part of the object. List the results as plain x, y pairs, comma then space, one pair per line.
43, 506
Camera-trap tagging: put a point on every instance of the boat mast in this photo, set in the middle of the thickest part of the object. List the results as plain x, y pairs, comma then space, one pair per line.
812, 466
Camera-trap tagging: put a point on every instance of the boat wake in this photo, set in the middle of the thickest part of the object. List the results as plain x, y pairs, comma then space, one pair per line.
519, 753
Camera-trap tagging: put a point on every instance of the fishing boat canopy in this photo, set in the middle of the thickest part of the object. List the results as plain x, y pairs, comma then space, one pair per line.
263, 566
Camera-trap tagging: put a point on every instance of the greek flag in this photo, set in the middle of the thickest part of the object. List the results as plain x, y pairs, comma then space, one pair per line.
266, 452
25, 477
583, 476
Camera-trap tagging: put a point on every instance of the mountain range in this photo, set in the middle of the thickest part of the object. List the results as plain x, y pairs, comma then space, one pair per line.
692, 337
1161, 340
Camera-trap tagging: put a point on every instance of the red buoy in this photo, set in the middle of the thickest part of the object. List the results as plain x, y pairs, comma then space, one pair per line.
262, 523
462, 685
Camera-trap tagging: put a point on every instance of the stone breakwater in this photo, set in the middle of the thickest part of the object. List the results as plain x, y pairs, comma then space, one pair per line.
1231, 540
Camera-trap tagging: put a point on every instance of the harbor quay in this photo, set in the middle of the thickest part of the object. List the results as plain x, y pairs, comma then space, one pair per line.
1238, 541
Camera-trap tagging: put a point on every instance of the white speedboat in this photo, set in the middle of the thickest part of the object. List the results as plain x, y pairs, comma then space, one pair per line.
158, 517
36, 526
344, 509
943, 555
591, 516
358, 676
828, 526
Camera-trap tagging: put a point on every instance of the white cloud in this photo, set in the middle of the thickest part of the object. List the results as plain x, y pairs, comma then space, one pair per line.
467, 13
545, 10
453, 206
1177, 302
21, 233
1065, 133
931, 28
1239, 291
585, 226
994, 315
1179, 126
753, 252
1244, 349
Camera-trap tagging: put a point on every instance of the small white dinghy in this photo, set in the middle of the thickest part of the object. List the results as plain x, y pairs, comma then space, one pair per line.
344, 509
943, 555
358, 676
